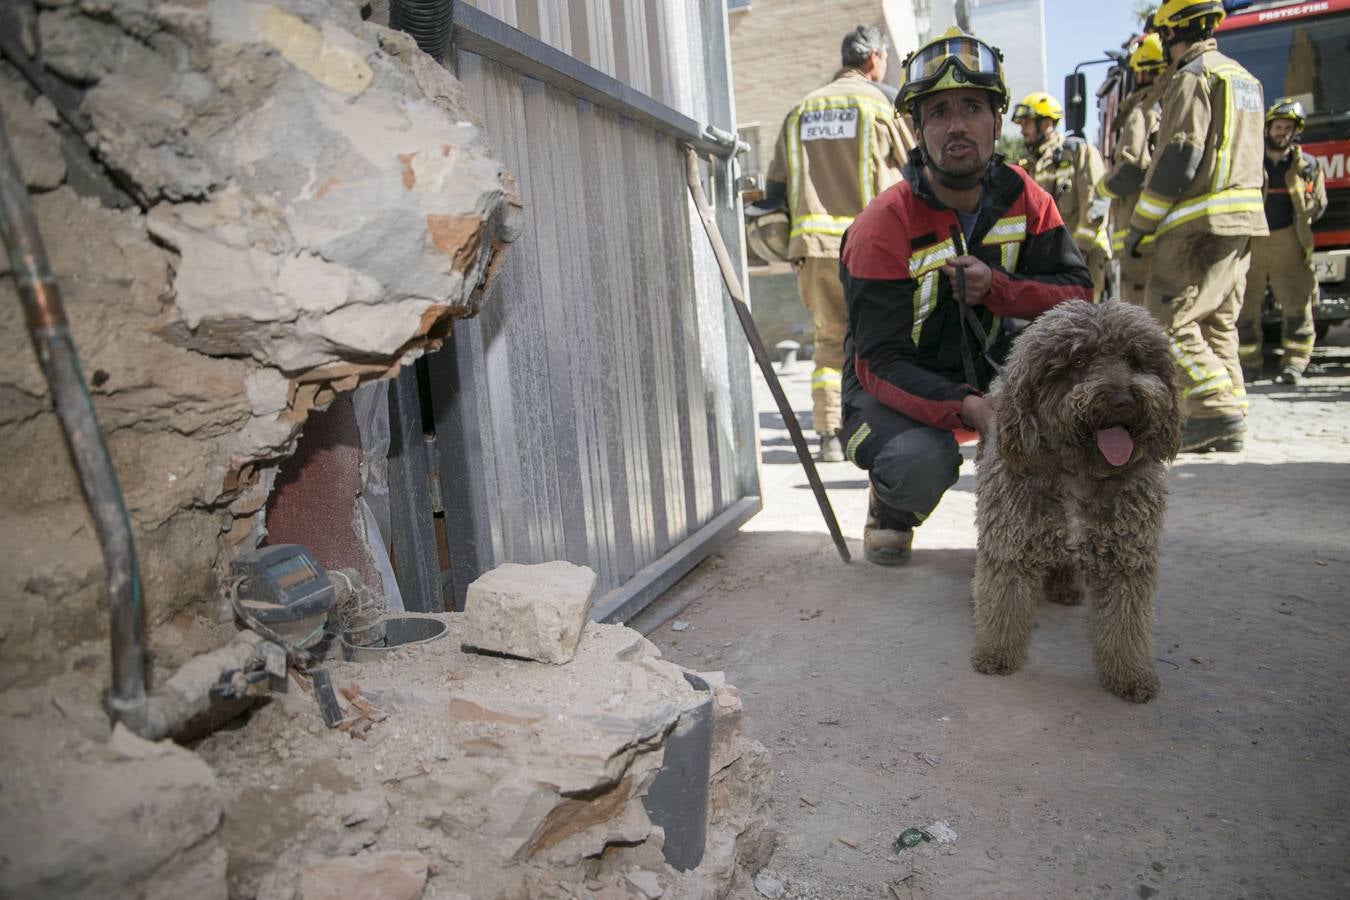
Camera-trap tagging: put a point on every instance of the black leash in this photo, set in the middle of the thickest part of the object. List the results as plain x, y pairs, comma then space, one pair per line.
969, 318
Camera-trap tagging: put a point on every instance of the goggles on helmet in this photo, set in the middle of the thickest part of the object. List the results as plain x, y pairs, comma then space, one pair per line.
1286, 108
951, 61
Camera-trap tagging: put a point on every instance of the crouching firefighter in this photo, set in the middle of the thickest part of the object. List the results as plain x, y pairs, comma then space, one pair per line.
917, 358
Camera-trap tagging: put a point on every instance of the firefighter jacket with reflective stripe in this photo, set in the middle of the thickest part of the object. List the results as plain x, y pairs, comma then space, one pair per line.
1208, 170
1307, 187
1136, 130
838, 148
903, 344
1068, 169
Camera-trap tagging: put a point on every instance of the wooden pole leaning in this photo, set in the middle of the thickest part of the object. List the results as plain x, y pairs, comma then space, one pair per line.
733, 285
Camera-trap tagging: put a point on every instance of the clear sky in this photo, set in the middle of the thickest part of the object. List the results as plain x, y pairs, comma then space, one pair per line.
1077, 31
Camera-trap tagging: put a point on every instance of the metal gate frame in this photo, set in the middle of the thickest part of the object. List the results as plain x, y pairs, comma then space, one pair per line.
470, 535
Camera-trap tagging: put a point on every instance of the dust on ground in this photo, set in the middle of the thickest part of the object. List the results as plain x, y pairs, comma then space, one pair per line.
1234, 782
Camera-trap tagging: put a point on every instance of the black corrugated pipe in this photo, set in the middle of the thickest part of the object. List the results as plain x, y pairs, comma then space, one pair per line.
50, 333
428, 21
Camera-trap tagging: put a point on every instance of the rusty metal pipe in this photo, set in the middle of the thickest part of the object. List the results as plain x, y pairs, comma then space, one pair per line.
50, 333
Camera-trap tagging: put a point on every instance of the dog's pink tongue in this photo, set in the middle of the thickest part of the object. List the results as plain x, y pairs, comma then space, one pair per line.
1116, 445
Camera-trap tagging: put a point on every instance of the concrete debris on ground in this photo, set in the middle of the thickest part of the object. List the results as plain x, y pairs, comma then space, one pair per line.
647, 885
768, 886
510, 777
534, 612
486, 777
369, 876
86, 816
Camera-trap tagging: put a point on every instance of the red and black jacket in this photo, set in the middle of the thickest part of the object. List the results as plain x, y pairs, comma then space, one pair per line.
903, 344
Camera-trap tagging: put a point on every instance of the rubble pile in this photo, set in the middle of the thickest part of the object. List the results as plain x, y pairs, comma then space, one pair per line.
502, 778
452, 774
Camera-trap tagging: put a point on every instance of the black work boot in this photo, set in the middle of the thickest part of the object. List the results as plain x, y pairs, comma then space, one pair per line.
1219, 434
884, 544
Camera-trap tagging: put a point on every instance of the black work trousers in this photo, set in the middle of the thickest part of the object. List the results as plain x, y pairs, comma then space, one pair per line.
911, 465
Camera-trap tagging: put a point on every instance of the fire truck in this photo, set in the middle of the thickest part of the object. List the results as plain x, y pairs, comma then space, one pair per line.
1295, 49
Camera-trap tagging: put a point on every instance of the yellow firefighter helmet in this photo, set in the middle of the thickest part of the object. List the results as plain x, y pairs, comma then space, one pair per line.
1039, 105
1181, 13
1147, 55
1287, 108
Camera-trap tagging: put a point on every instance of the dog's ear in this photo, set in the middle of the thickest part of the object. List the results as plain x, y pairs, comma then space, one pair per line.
1019, 438
1169, 432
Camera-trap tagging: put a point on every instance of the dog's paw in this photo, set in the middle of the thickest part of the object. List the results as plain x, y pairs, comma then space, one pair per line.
995, 662
1138, 688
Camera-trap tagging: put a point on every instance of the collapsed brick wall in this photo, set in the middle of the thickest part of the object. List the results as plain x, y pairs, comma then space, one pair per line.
250, 207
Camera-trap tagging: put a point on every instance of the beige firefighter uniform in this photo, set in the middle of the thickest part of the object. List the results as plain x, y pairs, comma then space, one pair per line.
1136, 130
1200, 207
838, 148
1069, 169
1283, 261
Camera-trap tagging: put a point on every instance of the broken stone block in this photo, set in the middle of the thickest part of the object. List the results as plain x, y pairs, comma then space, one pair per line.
375, 876
536, 612
37, 147
646, 884
84, 819
726, 739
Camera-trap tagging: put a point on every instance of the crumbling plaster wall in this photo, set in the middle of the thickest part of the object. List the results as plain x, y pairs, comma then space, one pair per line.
249, 207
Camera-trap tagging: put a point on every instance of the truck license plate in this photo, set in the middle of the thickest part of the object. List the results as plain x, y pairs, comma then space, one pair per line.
1329, 268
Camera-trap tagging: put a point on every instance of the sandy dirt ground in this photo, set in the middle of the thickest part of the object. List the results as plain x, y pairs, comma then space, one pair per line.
1234, 782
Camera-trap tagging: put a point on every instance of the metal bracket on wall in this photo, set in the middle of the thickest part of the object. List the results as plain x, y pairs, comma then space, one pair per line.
480, 33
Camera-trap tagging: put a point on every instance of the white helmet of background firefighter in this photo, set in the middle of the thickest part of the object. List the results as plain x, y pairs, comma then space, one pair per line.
1039, 105
1287, 108
768, 233
1147, 57
953, 60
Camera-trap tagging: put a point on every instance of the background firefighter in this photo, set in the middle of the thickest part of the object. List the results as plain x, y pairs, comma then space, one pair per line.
1068, 168
838, 148
1296, 197
1136, 130
1200, 207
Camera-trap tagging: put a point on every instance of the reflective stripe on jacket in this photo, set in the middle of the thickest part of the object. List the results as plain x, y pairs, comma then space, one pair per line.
903, 344
1207, 173
1068, 170
838, 148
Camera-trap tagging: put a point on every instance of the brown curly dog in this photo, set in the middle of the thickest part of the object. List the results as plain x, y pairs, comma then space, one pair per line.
1074, 481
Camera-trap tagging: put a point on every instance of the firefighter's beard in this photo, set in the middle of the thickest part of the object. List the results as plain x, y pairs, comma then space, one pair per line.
958, 176
1278, 144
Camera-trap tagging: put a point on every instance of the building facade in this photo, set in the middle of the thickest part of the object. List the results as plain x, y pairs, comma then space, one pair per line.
781, 49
